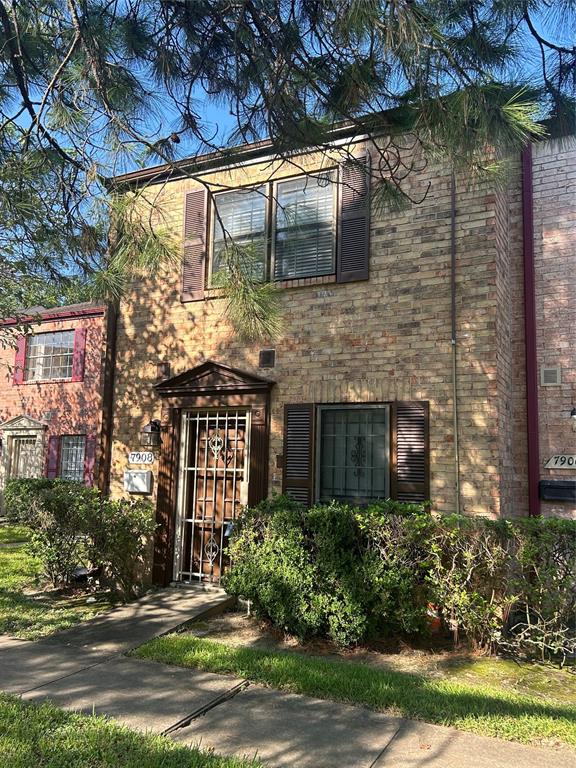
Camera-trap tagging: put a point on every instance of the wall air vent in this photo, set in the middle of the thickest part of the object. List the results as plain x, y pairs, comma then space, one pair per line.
267, 358
550, 377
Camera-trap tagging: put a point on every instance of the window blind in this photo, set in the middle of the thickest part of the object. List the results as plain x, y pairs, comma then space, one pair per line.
240, 216
304, 231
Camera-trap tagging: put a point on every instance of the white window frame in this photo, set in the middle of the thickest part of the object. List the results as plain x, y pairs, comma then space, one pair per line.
271, 202
214, 220
30, 372
75, 474
349, 406
333, 172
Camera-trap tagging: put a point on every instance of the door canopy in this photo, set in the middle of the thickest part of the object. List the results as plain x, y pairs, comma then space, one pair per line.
212, 378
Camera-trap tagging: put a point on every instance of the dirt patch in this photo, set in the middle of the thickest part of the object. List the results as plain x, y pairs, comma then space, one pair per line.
238, 628
438, 661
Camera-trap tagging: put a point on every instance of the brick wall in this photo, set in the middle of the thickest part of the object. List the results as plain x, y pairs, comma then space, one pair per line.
371, 341
555, 265
65, 407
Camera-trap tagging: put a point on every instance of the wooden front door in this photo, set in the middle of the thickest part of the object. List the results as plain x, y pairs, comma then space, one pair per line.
212, 486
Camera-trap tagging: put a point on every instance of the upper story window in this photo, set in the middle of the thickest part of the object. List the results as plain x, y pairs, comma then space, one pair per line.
240, 216
305, 232
301, 230
49, 356
314, 226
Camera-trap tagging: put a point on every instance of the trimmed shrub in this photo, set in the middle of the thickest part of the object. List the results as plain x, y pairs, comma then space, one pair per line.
73, 525
57, 512
320, 573
350, 574
120, 533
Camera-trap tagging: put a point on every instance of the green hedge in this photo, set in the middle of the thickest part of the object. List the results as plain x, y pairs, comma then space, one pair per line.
73, 525
351, 574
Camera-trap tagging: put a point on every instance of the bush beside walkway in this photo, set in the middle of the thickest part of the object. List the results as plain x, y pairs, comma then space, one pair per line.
27, 612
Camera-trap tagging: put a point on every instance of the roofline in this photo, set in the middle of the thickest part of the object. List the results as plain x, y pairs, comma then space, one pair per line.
56, 313
223, 158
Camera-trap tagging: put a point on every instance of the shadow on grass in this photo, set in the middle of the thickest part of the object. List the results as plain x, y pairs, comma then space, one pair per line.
505, 714
44, 735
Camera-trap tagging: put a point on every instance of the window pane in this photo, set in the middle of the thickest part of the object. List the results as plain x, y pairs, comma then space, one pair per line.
72, 457
304, 243
49, 356
354, 454
241, 216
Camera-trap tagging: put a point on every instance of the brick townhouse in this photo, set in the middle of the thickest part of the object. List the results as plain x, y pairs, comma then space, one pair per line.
53, 401
424, 354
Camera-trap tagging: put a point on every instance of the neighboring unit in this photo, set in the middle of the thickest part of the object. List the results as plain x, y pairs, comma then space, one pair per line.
53, 400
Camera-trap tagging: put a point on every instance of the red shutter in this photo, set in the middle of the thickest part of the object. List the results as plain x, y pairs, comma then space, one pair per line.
20, 360
194, 258
410, 451
52, 463
79, 354
89, 461
352, 262
298, 475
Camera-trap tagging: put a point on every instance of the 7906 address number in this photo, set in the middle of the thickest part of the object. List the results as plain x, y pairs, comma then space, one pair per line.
561, 461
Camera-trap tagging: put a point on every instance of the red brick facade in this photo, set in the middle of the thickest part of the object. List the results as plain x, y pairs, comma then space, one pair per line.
44, 411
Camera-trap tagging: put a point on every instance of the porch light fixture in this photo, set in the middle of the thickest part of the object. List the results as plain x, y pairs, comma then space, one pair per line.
573, 413
150, 435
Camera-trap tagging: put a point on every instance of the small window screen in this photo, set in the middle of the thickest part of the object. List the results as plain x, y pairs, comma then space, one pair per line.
50, 356
72, 449
354, 454
304, 228
240, 219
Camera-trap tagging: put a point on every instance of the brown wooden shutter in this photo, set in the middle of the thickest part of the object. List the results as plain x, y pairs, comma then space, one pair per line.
353, 256
298, 475
410, 451
194, 258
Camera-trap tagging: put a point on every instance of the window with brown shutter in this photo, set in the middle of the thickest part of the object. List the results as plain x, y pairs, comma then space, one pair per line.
354, 221
306, 226
410, 446
194, 258
356, 453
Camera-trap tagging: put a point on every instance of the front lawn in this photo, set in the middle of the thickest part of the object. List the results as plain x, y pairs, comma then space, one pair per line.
484, 709
42, 735
29, 610
10, 534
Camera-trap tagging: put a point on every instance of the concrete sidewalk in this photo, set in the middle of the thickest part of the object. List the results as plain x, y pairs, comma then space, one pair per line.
84, 669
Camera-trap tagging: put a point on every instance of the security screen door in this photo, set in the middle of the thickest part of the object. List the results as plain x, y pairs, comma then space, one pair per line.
24, 458
212, 486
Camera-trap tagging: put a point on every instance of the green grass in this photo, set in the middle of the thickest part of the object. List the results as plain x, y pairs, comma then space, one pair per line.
10, 534
42, 735
30, 616
481, 709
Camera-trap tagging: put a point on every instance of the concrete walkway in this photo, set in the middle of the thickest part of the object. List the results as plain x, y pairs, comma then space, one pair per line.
84, 669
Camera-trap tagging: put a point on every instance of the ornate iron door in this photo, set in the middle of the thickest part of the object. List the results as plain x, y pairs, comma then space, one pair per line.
212, 486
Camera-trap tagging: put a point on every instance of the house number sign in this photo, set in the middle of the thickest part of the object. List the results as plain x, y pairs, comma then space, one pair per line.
140, 457
561, 461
